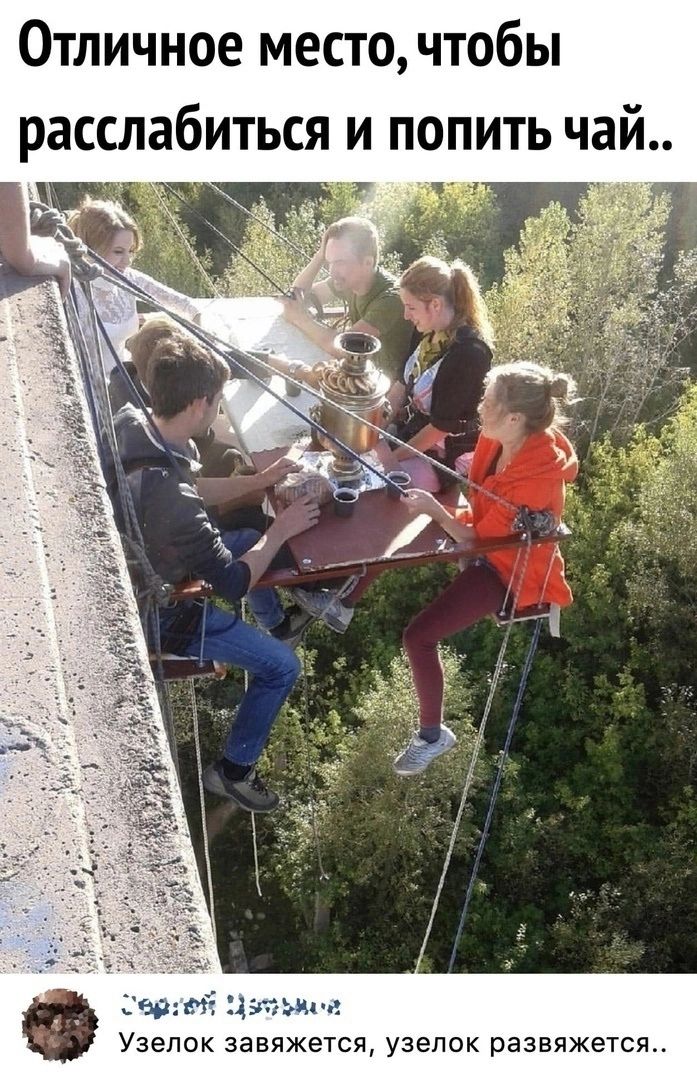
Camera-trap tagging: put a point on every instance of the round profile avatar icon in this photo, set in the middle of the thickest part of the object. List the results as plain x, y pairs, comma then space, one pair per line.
59, 1025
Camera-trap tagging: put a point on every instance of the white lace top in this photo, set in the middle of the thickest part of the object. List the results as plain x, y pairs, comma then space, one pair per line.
117, 308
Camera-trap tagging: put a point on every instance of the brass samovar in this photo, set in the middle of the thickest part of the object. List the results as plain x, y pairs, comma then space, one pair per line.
356, 384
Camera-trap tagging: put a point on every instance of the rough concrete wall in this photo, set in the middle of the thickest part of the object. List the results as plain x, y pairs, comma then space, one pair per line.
96, 867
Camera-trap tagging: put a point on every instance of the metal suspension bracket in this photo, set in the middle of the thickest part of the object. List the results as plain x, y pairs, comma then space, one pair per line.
534, 523
309, 300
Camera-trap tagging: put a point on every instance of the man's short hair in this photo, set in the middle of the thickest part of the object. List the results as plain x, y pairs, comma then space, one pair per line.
181, 371
361, 234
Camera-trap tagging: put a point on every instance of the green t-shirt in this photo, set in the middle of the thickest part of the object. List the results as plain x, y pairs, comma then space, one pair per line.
383, 309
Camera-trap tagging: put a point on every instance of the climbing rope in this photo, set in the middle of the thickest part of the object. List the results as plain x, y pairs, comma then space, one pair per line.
226, 240
190, 249
464, 796
151, 588
202, 805
94, 375
155, 590
255, 847
113, 275
151, 633
308, 298
476, 751
241, 358
49, 221
154, 593
345, 588
323, 875
450, 473
260, 221
495, 789
77, 334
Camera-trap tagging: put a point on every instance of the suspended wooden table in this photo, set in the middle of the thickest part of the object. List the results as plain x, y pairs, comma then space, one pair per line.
381, 534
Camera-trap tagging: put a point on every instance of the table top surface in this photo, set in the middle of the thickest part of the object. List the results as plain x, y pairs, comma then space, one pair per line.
381, 529
258, 420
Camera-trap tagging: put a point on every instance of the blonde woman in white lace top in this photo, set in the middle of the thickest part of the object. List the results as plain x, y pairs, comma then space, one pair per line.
110, 231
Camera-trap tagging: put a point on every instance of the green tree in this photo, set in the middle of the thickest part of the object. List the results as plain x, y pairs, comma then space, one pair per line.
382, 838
169, 251
602, 312
531, 307
270, 253
456, 220
339, 199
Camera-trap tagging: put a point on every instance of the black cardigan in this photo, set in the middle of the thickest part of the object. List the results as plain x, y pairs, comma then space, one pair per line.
457, 391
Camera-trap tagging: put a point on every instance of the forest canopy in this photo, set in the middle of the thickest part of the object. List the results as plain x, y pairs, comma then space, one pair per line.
591, 863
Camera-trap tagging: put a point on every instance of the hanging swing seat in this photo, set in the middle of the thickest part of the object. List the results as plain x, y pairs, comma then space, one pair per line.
186, 667
190, 590
533, 611
552, 612
171, 666
523, 614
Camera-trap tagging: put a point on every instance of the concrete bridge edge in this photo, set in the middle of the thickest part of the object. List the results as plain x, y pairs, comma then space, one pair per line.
97, 872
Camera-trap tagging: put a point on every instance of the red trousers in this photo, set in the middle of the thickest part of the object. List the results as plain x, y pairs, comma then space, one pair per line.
476, 592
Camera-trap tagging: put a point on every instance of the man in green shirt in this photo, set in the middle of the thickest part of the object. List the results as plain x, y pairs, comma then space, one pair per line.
350, 251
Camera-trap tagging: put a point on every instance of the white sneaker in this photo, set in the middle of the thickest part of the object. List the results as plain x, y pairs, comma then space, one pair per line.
324, 604
337, 616
419, 754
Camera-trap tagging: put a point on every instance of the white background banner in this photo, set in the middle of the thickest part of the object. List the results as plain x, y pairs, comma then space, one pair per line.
520, 1026
609, 56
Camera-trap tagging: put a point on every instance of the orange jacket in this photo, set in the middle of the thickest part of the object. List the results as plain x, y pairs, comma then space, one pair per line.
536, 477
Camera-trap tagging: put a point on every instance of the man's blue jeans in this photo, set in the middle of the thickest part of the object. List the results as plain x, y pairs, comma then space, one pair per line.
274, 668
264, 603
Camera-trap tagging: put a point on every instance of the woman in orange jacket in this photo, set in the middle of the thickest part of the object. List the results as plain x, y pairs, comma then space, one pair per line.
522, 458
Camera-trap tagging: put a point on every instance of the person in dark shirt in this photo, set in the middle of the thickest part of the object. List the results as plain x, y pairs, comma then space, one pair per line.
350, 251
437, 396
185, 383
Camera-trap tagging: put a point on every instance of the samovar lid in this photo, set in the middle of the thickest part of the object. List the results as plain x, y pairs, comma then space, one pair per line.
358, 349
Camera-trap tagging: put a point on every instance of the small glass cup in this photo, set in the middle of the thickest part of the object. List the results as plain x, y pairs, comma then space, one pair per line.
402, 480
345, 500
